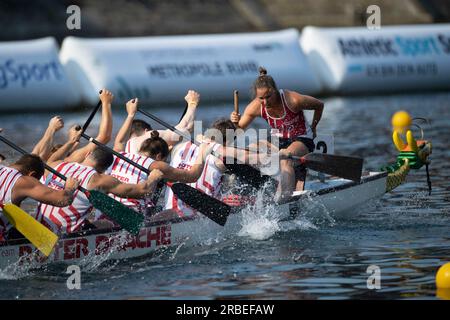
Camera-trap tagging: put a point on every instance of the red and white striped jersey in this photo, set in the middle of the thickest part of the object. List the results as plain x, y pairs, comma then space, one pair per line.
131, 146
67, 219
8, 178
209, 181
126, 173
290, 125
134, 144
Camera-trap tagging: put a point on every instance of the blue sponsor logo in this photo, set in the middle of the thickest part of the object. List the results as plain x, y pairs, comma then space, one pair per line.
396, 46
24, 73
417, 46
355, 68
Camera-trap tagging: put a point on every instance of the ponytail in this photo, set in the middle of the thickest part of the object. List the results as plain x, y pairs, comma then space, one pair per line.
264, 81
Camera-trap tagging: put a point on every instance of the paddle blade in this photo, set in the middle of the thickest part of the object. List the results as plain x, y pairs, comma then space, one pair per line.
212, 208
341, 166
249, 175
40, 236
127, 218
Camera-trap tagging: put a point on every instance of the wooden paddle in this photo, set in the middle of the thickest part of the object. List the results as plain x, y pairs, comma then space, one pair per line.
236, 104
127, 218
179, 191
39, 235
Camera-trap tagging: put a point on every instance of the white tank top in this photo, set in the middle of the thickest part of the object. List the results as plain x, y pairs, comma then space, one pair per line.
8, 178
131, 146
126, 173
209, 181
134, 144
67, 219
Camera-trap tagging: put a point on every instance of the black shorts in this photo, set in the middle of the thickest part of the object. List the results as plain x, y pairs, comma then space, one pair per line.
286, 142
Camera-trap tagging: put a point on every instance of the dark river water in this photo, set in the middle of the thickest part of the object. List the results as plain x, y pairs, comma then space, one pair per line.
405, 233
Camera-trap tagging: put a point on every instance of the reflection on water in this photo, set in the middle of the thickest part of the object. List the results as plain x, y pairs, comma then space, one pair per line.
405, 233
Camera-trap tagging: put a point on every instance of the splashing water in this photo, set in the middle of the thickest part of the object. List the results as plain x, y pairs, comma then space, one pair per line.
93, 261
22, 268
261, 220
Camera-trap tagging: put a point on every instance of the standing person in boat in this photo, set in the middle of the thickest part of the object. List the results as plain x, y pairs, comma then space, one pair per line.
284, 112
90, 172
134, 132
21, 180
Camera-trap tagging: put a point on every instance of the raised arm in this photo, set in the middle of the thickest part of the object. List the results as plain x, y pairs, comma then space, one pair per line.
29, 187
61, 153
44, 147
109, 184
105, 131
124, 133
186, 124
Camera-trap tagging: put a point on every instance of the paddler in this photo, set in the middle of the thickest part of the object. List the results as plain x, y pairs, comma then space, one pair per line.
134, 132
210, 181
152, 155
284, 112
91, 174
21, 180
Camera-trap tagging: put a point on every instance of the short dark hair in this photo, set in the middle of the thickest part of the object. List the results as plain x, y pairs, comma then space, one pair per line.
2, 157
223, 124
103, 159
138, 127
155, 145
264, 81
31, 163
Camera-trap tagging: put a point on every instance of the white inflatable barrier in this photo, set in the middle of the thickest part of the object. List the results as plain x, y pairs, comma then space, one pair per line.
32, 78
396, 58
162, 69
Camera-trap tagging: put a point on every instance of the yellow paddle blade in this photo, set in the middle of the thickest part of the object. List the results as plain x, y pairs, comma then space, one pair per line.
39, 235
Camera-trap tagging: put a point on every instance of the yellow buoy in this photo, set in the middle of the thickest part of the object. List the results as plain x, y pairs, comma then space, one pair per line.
443, 277
401, 121
443, 294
